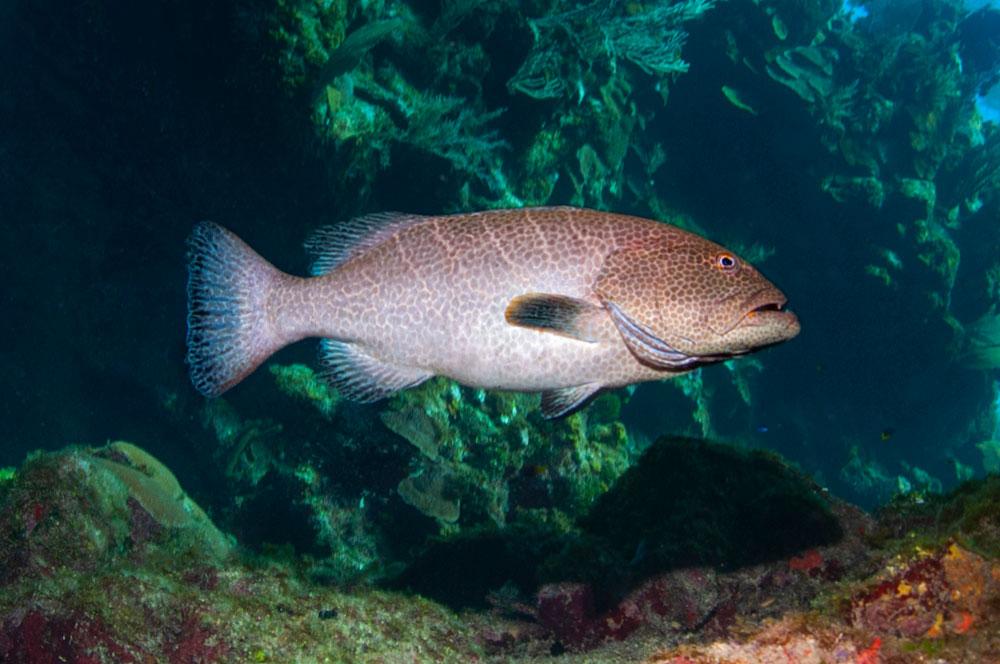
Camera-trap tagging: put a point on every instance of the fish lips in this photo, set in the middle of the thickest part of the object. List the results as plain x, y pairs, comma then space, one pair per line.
783, 323
767, 308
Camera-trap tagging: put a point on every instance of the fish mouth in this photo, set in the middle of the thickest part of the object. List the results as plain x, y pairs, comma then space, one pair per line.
768, 311
768, 298
775, 315
764, 300
769, 307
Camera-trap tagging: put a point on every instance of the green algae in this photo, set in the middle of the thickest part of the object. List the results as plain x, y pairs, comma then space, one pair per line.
718, 497
684, 503
495, 446
161, 598
169, 597
301, 382
969, 515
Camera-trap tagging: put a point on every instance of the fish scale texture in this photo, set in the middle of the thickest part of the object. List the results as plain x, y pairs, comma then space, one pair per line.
403, 298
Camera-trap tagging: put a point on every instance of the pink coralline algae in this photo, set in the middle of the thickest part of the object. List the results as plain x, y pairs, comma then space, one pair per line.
567, 609
677, 601
936, 594
195, 642
810, 560
38, 638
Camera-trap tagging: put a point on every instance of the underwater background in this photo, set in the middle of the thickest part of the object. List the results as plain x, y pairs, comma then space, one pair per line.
849, 150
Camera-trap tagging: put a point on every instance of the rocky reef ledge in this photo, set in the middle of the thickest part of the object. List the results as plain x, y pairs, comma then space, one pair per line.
103, 558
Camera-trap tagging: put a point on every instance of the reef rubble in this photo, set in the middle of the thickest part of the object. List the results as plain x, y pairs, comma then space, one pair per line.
103, 558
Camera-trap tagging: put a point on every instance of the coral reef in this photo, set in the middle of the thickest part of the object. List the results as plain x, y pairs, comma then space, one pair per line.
927, 606
88, 577
134, 506
685, 505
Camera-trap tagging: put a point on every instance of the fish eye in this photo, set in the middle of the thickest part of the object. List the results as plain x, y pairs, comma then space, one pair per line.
726, 262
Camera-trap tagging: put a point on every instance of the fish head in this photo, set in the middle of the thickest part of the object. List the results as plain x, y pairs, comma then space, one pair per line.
685, 301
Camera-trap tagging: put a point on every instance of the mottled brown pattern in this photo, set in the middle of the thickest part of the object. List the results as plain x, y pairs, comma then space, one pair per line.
432, 297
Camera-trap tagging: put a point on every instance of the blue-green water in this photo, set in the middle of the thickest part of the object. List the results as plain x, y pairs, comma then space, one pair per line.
852, 154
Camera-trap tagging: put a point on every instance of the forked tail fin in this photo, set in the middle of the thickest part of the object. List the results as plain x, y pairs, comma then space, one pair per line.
228, 329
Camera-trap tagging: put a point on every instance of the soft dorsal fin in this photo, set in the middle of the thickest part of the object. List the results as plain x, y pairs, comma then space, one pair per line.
336, 244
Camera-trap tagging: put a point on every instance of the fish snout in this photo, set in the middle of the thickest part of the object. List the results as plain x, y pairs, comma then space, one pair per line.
764, 307
775, 323
792, 325
768, 309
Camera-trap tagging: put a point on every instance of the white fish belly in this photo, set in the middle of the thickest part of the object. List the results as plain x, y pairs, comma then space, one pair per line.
468, 338
516, 358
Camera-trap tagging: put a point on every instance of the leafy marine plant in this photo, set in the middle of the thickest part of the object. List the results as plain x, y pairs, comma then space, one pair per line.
371, 99
365, 107
904, 117
574, 46
485, 456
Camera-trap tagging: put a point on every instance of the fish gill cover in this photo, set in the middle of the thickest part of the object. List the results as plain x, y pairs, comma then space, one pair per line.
847, 149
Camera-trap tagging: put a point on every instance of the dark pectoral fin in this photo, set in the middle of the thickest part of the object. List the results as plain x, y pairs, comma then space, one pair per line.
645, 345
548, 312
567, 400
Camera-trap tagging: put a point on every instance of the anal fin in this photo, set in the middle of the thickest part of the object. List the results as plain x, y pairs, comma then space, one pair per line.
567, 400
360, 377
560, 314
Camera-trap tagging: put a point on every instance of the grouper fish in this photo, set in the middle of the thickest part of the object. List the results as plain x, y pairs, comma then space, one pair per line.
560, 300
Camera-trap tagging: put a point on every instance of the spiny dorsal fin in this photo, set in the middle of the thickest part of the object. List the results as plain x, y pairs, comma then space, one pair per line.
561, 314
567, 400
336, 244
360, 377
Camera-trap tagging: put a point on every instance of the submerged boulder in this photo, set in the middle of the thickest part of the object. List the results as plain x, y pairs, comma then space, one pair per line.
104, 559
83, 507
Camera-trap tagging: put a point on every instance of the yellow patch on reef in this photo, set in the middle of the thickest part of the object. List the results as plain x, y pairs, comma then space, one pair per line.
935, 629
903, 589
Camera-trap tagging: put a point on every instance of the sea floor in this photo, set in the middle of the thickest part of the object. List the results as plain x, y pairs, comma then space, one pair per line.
103, 558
